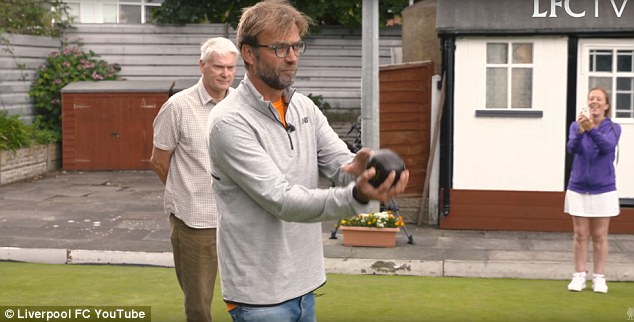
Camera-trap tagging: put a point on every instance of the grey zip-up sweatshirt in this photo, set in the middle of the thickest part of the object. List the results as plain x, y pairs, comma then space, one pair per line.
265, 180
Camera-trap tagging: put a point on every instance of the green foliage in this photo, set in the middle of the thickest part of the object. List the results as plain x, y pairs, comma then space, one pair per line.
14, 134
325, 12
61, 68
319, 101
43, 135
196, 11
29, 17
34, 17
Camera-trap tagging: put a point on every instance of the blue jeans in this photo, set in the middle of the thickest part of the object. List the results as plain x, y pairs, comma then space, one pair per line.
301, 309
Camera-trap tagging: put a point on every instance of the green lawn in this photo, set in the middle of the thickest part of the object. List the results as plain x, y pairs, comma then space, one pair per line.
343, 298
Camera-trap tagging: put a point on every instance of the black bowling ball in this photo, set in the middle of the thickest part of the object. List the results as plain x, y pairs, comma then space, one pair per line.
385, 161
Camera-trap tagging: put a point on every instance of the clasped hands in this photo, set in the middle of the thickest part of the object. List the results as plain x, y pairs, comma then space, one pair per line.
365, 191
585, 124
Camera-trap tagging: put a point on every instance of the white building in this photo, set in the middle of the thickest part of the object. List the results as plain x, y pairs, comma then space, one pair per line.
518, 73
112, 11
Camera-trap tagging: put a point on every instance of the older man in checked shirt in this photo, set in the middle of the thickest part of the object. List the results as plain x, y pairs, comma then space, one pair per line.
181, 159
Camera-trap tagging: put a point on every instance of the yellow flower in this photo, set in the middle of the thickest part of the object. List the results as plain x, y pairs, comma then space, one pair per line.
384, 219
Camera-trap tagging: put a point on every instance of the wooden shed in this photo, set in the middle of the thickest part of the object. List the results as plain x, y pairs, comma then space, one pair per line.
107, 125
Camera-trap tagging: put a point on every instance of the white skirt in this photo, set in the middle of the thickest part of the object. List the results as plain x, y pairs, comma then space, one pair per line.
588, 205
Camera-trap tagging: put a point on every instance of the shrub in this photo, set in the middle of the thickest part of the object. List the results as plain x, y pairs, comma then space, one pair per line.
13, 133
34, 17
61, 68
42, 135
320, 102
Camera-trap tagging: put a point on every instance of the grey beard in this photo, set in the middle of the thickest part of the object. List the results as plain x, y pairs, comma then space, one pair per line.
270, 78
274, 81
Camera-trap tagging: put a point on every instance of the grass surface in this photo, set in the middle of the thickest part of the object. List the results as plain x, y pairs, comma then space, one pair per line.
343, 298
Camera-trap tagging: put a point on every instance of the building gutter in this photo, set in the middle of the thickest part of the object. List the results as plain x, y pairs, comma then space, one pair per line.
448, 46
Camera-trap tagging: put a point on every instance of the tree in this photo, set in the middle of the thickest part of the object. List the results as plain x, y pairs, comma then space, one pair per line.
33, 17
325, 12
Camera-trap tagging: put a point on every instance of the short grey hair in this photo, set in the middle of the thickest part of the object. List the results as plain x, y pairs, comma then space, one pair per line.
219, 45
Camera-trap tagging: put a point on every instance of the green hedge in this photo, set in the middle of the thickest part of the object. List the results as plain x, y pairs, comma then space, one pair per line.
15, 134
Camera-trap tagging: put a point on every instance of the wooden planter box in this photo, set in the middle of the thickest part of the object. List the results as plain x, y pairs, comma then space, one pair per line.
369, 237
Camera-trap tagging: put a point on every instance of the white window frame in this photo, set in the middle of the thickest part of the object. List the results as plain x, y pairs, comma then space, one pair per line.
583, 81
510, 65
96, 9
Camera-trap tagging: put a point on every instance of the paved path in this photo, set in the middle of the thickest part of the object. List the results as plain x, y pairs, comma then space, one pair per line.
116, 217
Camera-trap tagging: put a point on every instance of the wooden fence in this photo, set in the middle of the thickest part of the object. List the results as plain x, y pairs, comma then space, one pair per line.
331, 66
20, 57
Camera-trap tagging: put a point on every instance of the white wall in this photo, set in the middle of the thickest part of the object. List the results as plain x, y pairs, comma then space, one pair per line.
510, 153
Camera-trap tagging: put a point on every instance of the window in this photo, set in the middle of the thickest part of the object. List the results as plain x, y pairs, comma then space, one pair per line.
130, 13
73, 11
110, 13
113, 11
613, 68
509, 75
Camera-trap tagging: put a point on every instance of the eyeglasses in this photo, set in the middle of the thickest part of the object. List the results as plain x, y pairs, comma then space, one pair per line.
282, 50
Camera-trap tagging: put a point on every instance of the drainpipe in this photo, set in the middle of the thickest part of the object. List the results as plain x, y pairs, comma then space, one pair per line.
446, 134
571, 98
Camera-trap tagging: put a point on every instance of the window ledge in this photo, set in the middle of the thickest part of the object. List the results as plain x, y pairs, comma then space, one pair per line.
627, 202
523, 113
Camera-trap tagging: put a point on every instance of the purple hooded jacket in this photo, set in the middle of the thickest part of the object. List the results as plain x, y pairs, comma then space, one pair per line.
594, 151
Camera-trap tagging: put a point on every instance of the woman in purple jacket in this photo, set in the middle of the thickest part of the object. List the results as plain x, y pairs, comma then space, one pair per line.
591, 198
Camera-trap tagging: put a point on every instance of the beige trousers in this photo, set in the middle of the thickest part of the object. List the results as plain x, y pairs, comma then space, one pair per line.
196, 266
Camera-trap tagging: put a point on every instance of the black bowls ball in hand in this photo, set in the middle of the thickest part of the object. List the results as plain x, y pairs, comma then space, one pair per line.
385, 161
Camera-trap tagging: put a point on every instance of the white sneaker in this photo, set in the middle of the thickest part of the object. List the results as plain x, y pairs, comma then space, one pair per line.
578, 282
599, 285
